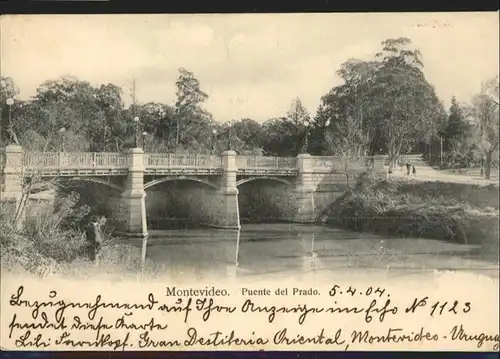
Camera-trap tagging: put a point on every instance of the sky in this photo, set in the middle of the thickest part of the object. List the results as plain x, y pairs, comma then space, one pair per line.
251, 65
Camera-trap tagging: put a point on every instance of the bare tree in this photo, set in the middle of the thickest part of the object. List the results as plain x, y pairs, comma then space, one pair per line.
485, 114
34, 179
348, 140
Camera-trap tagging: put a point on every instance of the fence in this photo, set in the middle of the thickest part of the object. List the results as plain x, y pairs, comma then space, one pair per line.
170, 160
69, 160
90, 160
339, 163
263, 162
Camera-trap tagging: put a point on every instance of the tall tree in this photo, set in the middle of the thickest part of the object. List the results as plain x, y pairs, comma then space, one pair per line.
192, 121
299, 118
457, 127
110, 101
407, 106
485, 112
456, 133
349, 105
388, 98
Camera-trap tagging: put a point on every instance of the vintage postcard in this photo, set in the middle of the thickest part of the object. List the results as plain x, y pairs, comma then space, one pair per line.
250, 182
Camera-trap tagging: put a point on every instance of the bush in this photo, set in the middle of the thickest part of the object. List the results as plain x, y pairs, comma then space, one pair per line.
400, 209
54, 243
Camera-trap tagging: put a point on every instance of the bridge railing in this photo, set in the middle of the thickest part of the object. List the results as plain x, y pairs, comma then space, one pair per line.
262, 162
69, 160
339, 163
90, 160
174, 160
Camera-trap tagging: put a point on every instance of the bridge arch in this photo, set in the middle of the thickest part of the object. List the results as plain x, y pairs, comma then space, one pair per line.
98, 181
45, 185
179, 178
250, 179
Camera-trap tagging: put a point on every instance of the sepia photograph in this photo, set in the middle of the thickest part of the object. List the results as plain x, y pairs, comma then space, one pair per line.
249, 144
225, 148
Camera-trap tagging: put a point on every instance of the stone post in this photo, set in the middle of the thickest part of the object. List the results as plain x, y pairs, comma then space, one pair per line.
379, 164
228, 214
304, 190
134, 197
13, 171
13, 178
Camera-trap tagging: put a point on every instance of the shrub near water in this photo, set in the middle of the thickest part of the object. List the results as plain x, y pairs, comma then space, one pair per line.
393, 207
54, 243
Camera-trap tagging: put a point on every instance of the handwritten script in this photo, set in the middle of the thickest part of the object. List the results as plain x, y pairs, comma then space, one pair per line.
336, 317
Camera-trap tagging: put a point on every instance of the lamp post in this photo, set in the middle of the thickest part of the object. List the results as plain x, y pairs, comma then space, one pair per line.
214, 136
441, 150
228, 129
144, 134
136, 131
62, 130
306, 137
10, 102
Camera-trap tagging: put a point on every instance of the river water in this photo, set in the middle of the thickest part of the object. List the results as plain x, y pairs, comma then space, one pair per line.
288, 249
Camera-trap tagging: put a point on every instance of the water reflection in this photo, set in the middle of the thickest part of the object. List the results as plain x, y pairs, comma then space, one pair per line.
236, 258
291, 248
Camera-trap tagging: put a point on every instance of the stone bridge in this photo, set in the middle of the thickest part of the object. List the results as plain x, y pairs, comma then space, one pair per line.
309, 183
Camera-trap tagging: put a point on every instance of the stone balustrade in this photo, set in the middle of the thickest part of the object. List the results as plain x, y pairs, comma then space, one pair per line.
174, 160
89, 160
67, 160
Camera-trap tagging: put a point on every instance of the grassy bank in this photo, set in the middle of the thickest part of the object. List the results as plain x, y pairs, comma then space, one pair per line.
54, 243
436, 210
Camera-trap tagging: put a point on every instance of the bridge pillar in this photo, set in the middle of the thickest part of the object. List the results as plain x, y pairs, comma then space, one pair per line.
134, 197
379, 164
12, 172
304, 191
13, 180
225, 211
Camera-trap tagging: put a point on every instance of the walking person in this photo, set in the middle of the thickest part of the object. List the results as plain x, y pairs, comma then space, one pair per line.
408, 168
414, 170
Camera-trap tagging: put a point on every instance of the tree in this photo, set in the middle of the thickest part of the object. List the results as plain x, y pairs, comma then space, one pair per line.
191, 120
157, 121
346, 138
8, 90
114, 129
347, 108
72, 104
250, 133
457, 125
389, 98
299, 118
485, 112
406, 105
277, 137
455, 136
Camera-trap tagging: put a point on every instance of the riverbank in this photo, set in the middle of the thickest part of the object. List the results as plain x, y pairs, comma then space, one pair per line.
48, 243
455, 212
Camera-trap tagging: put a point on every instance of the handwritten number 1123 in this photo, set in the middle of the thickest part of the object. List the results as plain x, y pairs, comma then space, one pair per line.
439, 307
